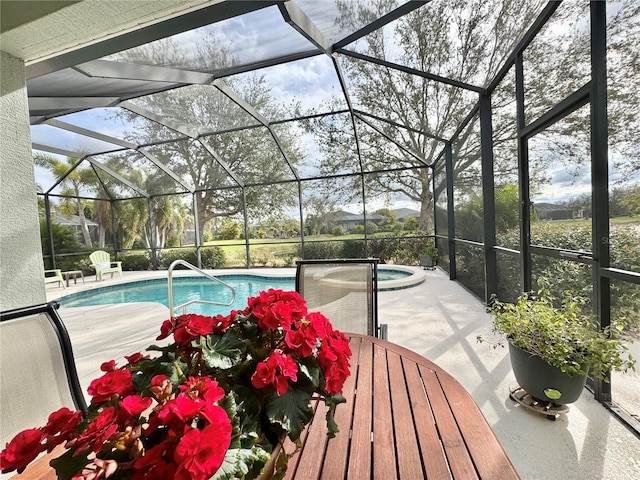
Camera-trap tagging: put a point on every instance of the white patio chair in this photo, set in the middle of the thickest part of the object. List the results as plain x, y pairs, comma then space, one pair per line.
38, 370
343, 290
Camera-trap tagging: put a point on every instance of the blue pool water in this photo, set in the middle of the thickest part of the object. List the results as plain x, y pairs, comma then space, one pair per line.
184, 289
386, 274
195, 288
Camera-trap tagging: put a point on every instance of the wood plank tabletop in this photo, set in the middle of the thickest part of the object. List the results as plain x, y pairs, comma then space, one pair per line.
405, 418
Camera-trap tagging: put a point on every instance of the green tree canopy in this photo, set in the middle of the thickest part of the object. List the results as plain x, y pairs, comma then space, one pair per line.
221, 167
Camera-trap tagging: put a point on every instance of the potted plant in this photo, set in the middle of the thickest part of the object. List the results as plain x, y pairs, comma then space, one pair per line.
554, 344
428, 256
212, 404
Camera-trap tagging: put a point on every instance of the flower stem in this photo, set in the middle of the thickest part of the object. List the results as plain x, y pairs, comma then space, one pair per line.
179, 370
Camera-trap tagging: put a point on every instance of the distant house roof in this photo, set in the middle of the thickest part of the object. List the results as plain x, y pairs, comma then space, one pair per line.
73, 220
550, 207
550, 211
405, 212
343, 216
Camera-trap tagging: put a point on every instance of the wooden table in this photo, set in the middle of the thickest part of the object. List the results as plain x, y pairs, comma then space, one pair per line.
405, 418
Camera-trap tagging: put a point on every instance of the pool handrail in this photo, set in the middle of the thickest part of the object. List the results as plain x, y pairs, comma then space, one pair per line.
174, 264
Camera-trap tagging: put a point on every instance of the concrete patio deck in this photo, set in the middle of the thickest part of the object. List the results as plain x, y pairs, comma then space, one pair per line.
440, 320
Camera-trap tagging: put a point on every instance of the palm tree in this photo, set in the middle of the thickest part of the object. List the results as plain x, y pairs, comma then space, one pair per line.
79, 180
133, 214
168, 216
168, 213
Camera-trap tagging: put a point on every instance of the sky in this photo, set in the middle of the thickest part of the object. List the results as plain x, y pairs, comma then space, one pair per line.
307, 83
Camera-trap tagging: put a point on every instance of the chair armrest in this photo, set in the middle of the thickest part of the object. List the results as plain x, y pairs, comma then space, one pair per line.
117, 264
55, 271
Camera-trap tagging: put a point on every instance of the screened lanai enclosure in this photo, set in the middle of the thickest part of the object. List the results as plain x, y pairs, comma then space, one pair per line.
505, 131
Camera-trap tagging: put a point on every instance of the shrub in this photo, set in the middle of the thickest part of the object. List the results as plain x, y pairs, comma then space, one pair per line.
173, 240
288, 259
470, 267
212, 257
406, 249
410, 224
401, 250
138, 244
372, 228
230, 231
353, 249
320, 250
76, 262
65, 239
395, 249
260, 259
381, 248
136, 262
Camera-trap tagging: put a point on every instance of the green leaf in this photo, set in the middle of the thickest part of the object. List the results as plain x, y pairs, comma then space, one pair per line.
335, 399
221, 351
311, 370
245, 425
281, 466
292, 411
238, 461
332, 426
142, 378
331, 402
67, 465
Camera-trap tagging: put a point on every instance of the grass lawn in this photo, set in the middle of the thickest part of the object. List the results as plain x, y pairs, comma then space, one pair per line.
583, 222
624, 220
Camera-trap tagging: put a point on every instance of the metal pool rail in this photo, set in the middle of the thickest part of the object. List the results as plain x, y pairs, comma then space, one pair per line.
183, 306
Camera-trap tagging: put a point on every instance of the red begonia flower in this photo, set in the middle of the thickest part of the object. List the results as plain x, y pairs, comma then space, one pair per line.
61, 426
264, 375
161, 387
108, 366
20, 451
199, 324
135, 404
166, 329
276, 371
333, 358
135, 358
116, 382
203, 387
96, 433
156, 463
200, 453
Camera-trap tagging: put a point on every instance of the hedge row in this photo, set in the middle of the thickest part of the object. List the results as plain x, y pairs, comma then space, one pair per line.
212, 257
389, 249
562, 275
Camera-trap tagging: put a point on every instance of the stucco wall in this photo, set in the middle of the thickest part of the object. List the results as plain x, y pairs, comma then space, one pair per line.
21, 268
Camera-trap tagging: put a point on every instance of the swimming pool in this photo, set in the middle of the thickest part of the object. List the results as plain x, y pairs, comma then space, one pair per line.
188, 288
184, 290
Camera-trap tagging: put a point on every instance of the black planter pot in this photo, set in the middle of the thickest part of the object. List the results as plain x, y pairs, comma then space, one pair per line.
426, 261
542, 381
